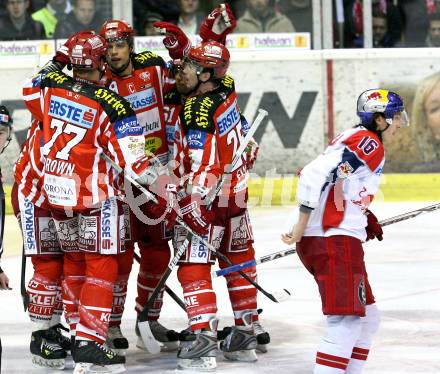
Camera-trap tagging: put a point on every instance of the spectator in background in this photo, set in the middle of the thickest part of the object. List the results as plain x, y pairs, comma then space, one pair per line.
425, 126
433, 37
416, 21
169, 9
150, 18
82, 17
190, 16
51, 14
387, 27
300, 13
17, 24
260, 16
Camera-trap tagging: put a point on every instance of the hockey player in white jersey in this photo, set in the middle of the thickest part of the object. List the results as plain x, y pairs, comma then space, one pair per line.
334, 192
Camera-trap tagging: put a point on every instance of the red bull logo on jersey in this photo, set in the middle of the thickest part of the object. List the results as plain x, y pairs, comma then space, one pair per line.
72, 112
142, 99
228, 119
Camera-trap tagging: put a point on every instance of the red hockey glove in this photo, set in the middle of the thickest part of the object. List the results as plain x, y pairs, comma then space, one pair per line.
62, 55
218, 24
374, 230
175, 39
194, 214
167, 202
251, 153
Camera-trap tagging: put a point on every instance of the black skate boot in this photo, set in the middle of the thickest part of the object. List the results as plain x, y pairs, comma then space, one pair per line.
45, 352
116, 341
57, 335
92, 357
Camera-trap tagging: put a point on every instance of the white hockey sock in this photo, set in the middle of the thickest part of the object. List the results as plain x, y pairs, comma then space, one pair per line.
336, 347
370, 325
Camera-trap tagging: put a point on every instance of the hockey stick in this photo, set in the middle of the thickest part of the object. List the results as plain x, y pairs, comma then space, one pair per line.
291, 251
168, 290
150, 343
24, 294
248, 264
408, 215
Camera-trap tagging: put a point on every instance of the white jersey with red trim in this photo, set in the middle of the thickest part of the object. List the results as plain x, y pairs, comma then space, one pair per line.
340, 184
80, 123
29, 167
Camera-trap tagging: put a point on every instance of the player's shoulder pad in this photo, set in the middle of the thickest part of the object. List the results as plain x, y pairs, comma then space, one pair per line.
115, 106
227, 83
367, 146
198, 113
52, 79
147, 59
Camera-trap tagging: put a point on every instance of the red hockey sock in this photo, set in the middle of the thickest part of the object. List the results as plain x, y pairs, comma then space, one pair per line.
154, 261
96, 297
199, 296
242, 294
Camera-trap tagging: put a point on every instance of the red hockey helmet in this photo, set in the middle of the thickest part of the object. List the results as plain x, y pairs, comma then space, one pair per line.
86, 50
117, 30
211, 55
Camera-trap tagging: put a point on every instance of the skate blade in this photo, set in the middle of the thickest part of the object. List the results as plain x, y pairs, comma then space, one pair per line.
87, 368
40, 362
242, 356
200, 364
262, 348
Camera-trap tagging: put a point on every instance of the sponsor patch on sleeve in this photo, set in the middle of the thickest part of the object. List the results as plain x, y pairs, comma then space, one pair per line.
196, 139
127, 127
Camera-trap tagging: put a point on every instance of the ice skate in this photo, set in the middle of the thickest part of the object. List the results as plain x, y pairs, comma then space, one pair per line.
94, 358
116, 341
263, 337
168, 339
46, 352
58, 333
241, 342
198, 351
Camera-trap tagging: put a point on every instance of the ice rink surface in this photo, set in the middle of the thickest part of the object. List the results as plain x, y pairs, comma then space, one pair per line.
404, 271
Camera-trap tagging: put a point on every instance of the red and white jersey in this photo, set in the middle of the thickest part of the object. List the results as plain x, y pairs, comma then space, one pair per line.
209, 132
29, 167
80, 123
340, 184
144, 89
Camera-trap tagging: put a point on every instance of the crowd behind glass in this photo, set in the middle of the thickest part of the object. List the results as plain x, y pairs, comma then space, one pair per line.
396, 23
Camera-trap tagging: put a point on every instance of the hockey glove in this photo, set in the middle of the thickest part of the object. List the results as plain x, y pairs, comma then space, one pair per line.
167, 202
193, 213
218, 24
374, 230
175, 39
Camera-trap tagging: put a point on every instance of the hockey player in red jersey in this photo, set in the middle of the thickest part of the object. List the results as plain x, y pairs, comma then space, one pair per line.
334, 192
82, 120
48, 345
209, 130
142, 79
